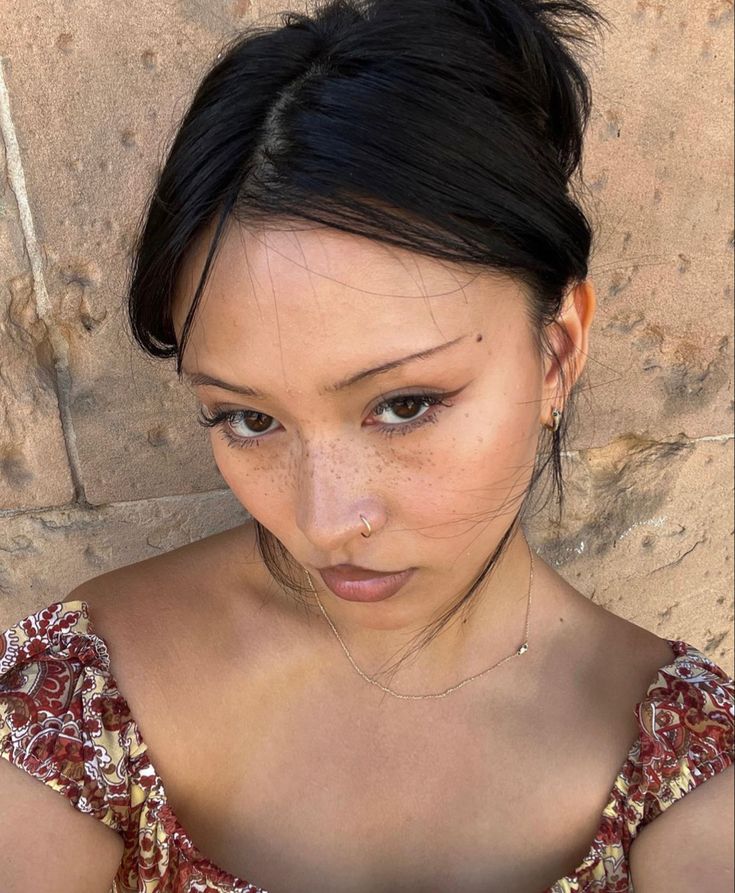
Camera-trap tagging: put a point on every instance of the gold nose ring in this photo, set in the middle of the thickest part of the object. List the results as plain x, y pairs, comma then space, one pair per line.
367, 524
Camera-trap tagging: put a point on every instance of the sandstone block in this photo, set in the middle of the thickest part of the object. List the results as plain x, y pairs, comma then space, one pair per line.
647, 534
657, 163
44, 555
34, 471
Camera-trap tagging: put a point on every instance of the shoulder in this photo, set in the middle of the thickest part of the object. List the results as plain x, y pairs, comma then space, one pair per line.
685, 788
228, 558
677, 785
206, 570
614, 658
166, 616
684, 709
174, 593
692, 839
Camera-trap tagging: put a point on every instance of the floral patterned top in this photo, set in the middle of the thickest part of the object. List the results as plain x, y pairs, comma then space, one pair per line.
64, 721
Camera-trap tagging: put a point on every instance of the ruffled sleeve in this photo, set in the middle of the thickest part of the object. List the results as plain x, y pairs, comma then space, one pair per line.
685, 736
62, 719
686, 720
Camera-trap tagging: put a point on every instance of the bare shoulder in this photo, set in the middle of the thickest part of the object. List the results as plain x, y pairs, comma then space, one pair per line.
619, 657
228, 557
190, 575
153, 609
628, 643
156, 607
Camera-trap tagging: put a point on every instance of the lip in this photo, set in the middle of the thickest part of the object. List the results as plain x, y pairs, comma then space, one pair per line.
351, 583
355, 572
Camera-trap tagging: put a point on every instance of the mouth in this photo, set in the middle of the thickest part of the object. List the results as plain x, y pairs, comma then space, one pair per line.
358, 584
355, 572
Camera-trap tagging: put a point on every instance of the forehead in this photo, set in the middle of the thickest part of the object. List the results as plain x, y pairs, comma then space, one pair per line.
323, 285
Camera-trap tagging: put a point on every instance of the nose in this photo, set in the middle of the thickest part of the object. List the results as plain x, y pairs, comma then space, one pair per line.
332, 491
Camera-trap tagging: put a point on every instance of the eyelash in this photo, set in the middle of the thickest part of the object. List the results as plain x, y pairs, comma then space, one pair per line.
220, 417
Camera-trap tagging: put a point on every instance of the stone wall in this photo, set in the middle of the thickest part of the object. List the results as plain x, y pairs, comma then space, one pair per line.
101, 462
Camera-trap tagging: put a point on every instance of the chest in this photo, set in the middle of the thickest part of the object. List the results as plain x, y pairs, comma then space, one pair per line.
333, 793
288, 773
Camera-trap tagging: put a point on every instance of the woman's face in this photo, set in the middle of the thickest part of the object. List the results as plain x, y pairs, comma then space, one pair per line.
301, 317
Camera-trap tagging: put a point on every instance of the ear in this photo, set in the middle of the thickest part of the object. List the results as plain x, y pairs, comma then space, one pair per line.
569, 336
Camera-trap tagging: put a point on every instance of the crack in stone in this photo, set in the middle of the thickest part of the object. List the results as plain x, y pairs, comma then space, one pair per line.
59, 346
676, 560
714, 642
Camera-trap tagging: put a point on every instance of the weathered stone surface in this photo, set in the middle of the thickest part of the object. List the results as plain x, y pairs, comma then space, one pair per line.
44, 555
95, 99
647, 530
657, 163
34, 471
660, 176
647, 534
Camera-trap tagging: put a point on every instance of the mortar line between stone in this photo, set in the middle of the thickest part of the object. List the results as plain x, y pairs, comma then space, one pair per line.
712, 438
10, 513
7, 513
59, 346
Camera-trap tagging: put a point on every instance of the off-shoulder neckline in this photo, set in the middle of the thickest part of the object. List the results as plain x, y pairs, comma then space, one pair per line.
681, 651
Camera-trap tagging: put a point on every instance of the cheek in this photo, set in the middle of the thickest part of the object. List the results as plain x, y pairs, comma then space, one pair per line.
254, 481
503, 427
486, 457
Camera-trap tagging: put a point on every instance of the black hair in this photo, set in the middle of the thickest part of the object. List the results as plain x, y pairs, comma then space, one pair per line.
452, 128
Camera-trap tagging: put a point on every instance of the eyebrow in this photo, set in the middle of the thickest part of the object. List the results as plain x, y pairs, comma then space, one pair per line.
202, 379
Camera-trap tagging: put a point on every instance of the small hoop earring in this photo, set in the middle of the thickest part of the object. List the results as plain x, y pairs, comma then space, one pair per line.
367, 524
555, 420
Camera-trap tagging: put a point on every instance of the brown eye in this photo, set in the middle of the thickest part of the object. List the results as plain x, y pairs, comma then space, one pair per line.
412, 407
405, 408
256, 422
409, 410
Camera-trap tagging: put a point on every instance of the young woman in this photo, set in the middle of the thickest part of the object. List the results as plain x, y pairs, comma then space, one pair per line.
364, 253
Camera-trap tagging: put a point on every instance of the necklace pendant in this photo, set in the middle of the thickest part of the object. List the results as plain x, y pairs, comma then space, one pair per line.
523, 649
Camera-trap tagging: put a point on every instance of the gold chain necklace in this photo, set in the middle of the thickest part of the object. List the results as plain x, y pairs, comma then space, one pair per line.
522, 650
